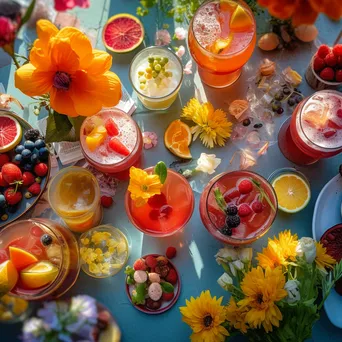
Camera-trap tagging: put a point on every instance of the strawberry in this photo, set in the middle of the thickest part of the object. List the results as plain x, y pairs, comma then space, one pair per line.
4, 158
330, 59
337, 50
257, 207
12, 197
244, 210
338, 76
41, 169
34, 189
172, 277
157, 201
106, 201
139, 265
151, 261
323, 51
11, 173
171, 252
28, 178
318, 63
111, 127
327, 74
117, 146
168, 296
245, 186
2, 181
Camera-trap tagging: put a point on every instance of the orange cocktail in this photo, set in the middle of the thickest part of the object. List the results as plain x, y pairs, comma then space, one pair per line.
222, 37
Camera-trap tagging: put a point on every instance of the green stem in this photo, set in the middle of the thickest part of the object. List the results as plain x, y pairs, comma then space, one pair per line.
16, 61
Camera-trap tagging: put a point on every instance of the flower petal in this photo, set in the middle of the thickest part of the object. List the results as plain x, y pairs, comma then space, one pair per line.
101, 62
33, 82
45, 30
64, 57
62, 102
40, 60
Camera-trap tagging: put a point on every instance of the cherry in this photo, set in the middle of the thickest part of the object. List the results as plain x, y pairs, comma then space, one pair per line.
157, 201
257, 207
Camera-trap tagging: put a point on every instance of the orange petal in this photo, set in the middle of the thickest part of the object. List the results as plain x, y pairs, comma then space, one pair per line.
332, 8
45, 31
40, 60
304, 14
61, 102
64, 57
282, 9
33, 82
101, 62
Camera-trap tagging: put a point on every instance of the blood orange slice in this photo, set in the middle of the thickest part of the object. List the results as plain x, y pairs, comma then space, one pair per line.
123, 33
10, 133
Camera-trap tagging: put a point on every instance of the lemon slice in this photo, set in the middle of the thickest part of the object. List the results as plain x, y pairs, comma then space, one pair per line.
38, 275
220, 44
240, 19
292, 191
8, 277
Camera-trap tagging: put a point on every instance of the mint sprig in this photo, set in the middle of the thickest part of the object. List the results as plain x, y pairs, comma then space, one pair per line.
263, 194
220, 200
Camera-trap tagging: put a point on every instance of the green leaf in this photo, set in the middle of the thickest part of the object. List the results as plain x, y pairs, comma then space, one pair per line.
129, 271
161, 170
28, 13
220, 199
130, 281
167, 287
77, 123
58, 128
139, 296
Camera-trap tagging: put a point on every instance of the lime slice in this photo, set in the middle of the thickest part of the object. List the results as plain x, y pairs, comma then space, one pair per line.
292, 191
38, 275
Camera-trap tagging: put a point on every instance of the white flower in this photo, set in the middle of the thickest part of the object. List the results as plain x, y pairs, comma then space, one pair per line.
292, 288
34, 330
180, 33
181, 51
226, 254
188, 68
207, 163
236, 265
307, 246
84, 307
245, 254
187, 173
224, 281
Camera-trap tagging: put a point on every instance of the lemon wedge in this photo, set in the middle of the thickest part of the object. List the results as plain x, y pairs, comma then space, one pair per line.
38, 275
8, 277
240, 19
220, 44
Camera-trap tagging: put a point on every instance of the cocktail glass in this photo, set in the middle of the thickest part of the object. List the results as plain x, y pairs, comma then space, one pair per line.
167, 216
74, 195
251, 227
219, 48
62, 253
156, 91
315, 129
105, 159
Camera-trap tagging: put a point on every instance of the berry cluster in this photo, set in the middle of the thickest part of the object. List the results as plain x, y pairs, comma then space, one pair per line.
159, 207
292, 97
327, 63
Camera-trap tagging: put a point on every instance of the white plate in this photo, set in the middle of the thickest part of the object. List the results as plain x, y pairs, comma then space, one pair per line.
327, 213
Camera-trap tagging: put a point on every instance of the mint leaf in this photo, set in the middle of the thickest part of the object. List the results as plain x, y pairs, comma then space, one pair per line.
263, 193
129, 271
220, 199
77, 123
167, 287
161, 170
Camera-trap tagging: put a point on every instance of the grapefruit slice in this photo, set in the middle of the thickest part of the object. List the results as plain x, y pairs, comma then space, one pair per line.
123, 33
10, 133
21, 258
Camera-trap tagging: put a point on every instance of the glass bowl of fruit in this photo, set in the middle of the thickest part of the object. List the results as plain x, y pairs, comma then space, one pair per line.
238, 207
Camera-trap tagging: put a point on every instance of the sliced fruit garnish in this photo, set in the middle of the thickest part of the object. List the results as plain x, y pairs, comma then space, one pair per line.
10, 133
317, 117
292, 191
21, 258
221, 44
8, 277
227, 5
240, 19
117, 146
123, 33
177, 139
38, 275
96, 137
111, 127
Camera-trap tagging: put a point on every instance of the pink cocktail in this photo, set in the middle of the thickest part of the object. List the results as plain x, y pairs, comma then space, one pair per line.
112, 142
247, 211
315, 130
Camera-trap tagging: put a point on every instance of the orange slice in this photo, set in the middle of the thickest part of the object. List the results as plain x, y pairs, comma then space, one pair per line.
21, 258
227, 5
177, 139
220, 44
8, 277
38, 275
240, 19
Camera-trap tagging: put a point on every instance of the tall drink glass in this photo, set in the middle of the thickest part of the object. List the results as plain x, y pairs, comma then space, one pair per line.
222, 37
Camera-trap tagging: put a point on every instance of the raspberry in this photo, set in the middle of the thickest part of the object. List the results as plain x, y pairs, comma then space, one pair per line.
327, 74
339, 62
233, 221
318, 63
151, 261
338, 75
154, 215
172, 277
139, 265
4, 158
41, 169
34, 189
171, 252
323, 51
337, 50
157, 201
330, 59
106, 201
168, 296
28, 178
257, 207
231, 210
245, 186
244, 210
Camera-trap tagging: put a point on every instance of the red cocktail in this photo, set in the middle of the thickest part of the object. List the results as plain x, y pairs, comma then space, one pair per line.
246, 208
166, 213
112, 142
45, 256
315, 130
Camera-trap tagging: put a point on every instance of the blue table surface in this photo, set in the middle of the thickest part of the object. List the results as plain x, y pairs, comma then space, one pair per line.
196, 248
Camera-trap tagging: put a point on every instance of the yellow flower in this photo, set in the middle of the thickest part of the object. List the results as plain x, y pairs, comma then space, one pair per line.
143, 186
98, 237
211, 126
64, 65
262, 289
236, 316
323, 259
204, 315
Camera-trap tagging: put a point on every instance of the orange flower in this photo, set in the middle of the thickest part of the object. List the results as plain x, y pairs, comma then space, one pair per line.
303, 11
64, 65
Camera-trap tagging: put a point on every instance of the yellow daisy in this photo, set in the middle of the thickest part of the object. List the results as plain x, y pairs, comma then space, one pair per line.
211, 125
262, 290
323, 259
204, 315
236, 316
143, 186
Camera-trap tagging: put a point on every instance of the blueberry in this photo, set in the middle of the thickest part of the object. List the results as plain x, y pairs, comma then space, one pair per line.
280, 110
28, 167
276, 105
259, 125
298, 98
291, 102
18, 159
246, 122
39, 144
19, 149
46, 239
43, 153
2, 201
34, 158
26, 154
232, 221
29, 145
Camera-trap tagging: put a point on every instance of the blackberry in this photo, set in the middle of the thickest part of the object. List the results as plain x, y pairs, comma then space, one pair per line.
32, 134
232, 221
231, 210
46, 239
226, 231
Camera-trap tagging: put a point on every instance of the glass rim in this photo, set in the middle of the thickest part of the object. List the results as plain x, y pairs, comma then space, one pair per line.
156, 97
304, 102
244, 240
215, 55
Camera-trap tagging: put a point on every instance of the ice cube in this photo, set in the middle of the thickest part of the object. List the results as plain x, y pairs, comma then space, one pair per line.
54, 253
